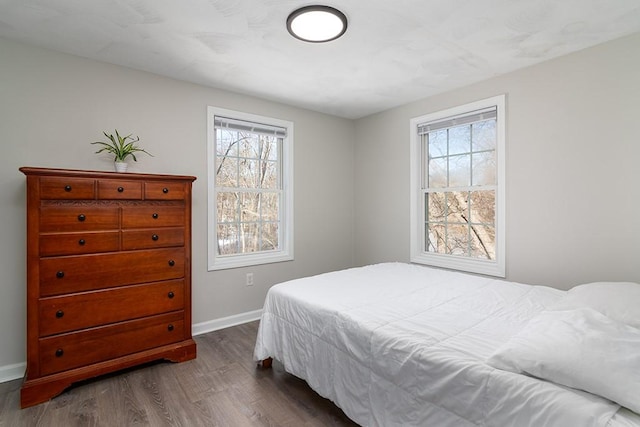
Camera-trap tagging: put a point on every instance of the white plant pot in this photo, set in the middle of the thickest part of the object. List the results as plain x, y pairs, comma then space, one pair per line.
121, 166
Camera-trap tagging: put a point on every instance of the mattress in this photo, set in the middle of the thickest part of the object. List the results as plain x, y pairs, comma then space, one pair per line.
399, 344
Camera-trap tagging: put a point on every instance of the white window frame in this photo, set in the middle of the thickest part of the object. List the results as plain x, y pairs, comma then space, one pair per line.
285, 252
419, 255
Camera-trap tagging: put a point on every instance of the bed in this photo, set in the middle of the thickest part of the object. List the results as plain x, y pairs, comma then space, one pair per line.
400, 344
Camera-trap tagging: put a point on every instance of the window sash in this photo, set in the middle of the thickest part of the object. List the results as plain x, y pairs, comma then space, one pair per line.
480, 242
263, 221
259, 163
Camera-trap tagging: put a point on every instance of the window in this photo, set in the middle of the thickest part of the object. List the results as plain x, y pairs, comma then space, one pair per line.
250, 189
457, 188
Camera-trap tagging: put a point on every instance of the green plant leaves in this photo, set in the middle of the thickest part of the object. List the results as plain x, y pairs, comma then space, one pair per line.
120, 147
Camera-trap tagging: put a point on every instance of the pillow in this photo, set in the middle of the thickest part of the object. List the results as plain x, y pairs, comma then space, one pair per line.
617, 300
580, 348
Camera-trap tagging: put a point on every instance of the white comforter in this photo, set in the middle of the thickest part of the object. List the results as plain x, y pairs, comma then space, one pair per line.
398, 344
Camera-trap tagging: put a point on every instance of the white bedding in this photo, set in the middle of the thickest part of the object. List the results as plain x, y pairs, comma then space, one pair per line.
399, 344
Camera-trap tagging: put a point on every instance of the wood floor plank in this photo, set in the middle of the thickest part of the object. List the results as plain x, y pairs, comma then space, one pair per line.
221, 387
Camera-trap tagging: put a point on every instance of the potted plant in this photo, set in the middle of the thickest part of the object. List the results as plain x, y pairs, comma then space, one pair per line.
121, 148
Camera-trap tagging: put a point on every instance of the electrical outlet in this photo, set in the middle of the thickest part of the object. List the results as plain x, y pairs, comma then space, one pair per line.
249, 279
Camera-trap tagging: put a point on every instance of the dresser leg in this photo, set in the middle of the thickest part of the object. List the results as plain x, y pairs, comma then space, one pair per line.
35, 391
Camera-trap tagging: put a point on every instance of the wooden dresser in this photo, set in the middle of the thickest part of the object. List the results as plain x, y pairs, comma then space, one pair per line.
108, 275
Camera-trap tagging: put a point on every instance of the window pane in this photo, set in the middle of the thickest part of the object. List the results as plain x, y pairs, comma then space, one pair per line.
484, 168
435, 207
248, 173
226, 171
483, 205
227, 207
436, 235
227, 239
249, 238
484, 135
269, 236
460, 171
226, 143
483, 242
460, 140
458, 240
249, 205
268, 175
269, 206
270, 149
248, 146
437, 143
458, 207
437, 173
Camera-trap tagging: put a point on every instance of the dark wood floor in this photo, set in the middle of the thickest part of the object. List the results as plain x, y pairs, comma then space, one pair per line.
222, 387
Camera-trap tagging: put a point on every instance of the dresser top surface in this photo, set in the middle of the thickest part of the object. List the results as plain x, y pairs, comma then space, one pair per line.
37, 171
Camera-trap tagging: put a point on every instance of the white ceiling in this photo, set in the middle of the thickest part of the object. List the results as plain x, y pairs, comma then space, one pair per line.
394, 51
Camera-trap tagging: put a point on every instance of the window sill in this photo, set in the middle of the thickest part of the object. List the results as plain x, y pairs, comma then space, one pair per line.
489, 268
223, 263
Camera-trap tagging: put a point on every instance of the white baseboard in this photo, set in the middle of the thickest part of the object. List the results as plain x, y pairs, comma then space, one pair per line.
15, 371
225, 322
12, 372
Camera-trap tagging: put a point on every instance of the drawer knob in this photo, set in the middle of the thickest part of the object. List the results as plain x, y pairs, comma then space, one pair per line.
120, 189
171, 263
59, 314
81, 242
67, 188
165, 190
59, 352
154, 237
60, 274
170, 327
155, 216
171, 295
81, 217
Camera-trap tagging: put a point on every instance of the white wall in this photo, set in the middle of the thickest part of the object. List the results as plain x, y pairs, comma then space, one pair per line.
53, 105
573, 169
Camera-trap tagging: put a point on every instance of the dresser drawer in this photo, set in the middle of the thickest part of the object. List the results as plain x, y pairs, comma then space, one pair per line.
164, 191
152, 216
67, 188
78, 218
79, 243
152, 238
72, 350
119, 190
87, 309
68, 274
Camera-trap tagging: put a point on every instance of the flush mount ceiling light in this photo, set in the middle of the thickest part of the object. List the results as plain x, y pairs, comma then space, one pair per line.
317, 24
